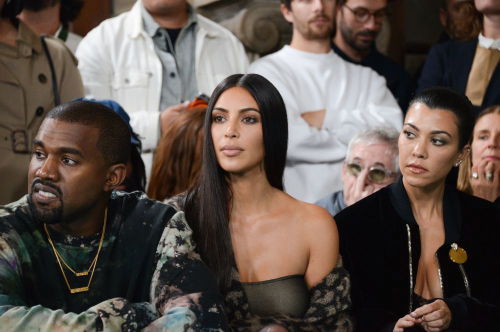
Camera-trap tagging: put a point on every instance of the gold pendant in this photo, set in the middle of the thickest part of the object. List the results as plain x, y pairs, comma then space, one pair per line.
82, 274
79, 290
457, 255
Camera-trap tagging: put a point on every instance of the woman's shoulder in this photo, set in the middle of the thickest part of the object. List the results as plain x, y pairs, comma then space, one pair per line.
366, 207
307, 213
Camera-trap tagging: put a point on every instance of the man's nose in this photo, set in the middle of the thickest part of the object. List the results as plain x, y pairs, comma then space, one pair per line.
47, 169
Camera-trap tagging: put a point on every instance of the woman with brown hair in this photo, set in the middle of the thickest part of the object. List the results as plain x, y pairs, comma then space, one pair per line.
177, 160
479, 174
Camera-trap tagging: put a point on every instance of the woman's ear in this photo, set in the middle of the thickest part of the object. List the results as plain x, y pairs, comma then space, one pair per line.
462, 155
116, 175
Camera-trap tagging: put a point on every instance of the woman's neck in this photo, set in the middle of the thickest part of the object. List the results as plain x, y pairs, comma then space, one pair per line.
251, 193
43, 22
8, 32
426, 202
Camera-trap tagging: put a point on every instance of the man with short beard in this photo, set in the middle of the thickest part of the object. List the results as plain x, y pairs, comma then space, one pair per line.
327, 99
358, 24
75, 255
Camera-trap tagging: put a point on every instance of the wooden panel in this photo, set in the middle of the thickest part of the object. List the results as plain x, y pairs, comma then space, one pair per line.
93, 13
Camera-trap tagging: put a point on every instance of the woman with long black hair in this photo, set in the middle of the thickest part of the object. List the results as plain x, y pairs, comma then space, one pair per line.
275, 258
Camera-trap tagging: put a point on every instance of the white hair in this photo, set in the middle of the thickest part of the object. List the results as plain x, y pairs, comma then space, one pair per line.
384, 135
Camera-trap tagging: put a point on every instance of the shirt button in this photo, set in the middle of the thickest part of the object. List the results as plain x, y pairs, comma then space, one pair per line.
172, 74
39, 111
127, 81
42, 78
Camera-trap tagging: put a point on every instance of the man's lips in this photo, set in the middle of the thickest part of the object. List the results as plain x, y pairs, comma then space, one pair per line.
320, 20
231, 150
44, 193
416, 169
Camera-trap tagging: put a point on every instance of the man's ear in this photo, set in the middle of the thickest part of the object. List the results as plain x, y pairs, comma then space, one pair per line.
287, 13
115, 176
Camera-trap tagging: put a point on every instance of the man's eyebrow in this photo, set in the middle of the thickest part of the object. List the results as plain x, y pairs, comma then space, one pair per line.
63, 149
71, 151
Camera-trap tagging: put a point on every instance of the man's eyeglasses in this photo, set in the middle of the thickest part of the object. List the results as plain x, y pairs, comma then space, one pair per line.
362, 15
375, 174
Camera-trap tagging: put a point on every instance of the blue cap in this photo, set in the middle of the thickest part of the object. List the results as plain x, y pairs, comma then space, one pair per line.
118, 110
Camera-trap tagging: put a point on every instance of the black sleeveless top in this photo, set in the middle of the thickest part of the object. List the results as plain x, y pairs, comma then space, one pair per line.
281, 296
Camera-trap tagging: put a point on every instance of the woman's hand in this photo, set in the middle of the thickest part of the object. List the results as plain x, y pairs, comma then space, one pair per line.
273, 328
433, 317
485, 180
404, 323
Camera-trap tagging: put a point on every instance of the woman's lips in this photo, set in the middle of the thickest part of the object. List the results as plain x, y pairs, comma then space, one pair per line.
231, 151
416, 169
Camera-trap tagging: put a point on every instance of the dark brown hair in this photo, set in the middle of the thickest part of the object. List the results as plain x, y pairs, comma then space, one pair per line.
177, 160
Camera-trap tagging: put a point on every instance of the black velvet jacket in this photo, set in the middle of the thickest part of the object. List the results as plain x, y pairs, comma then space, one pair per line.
375, 239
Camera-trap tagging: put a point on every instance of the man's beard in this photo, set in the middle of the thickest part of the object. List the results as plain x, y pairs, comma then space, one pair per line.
47, 216
350, 38
310, 33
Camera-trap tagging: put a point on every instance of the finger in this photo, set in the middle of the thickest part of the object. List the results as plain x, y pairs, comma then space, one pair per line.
423, 310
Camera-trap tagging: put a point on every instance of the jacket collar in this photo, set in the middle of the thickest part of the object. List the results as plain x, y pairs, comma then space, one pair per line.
28, 41
452, 216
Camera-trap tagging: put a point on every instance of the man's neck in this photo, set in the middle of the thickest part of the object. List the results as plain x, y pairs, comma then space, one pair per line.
312, 46
8, 32
83, 225
352, 53
44, 22
491, 26
172, 21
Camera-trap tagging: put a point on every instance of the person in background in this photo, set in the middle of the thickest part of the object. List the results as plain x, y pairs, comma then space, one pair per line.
479, 174
177, 160
327, 99
76, 255
358, 24
276, 259
153, 59
420, 252
53, 17
35, 75
469, 67
371, 163
460, 20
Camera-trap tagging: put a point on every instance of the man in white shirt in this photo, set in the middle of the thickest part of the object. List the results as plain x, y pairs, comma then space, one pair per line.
328, 100
157, 55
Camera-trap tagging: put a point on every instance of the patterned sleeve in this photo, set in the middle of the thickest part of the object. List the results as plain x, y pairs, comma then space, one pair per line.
183, 291
329, 308
14, 314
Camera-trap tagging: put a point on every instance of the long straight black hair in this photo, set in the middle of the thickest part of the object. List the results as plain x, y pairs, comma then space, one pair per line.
208, 203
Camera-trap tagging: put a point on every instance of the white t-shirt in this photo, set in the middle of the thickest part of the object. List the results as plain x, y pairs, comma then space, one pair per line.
355, 98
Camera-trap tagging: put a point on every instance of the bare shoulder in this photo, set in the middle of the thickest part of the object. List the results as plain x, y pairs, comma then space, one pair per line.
313, 218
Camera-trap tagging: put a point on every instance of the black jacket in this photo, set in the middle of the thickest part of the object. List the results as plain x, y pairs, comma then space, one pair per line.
375, 236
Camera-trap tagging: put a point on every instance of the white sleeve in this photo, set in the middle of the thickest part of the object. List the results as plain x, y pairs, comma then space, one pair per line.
96, 68
375, 107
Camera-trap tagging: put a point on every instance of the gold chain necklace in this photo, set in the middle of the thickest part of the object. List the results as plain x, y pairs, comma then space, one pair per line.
92, 266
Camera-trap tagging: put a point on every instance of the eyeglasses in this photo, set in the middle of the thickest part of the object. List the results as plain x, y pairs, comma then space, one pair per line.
375, 174
362, 15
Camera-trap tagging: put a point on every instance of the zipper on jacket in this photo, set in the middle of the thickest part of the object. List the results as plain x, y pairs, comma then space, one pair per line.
410, 263
439, 274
